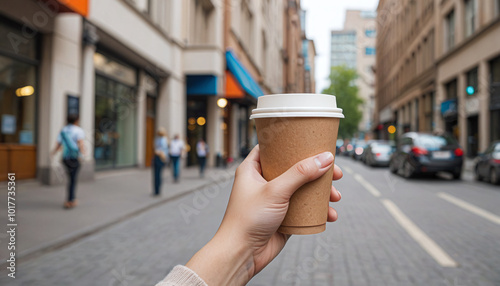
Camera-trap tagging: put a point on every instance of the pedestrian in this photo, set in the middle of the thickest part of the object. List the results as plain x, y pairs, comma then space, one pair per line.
70, 139
160, 158
202, 151
247, 239
176, 149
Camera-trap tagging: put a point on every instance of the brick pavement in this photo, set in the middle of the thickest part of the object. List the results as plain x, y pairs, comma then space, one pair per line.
113, 196
365, 247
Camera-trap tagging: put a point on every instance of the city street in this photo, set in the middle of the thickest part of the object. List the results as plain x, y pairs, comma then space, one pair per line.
425, 231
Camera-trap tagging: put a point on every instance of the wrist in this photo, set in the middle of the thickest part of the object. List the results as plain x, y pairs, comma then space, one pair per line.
225, 260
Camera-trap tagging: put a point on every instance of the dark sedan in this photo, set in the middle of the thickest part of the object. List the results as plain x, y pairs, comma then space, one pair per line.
378, 153
488, 164
423, 153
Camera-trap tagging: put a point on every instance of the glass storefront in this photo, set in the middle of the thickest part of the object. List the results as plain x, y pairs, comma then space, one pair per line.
17, 101
196, 125
115, 114
18, 97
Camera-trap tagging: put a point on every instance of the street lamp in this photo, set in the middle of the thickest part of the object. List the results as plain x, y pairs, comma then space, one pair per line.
222, 102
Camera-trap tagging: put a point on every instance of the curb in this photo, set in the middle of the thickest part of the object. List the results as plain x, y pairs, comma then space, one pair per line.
35, 252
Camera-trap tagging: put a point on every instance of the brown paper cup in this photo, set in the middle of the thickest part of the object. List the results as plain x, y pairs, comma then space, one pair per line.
285, 141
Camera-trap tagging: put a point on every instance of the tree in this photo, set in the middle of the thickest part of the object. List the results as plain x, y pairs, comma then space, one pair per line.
343, 86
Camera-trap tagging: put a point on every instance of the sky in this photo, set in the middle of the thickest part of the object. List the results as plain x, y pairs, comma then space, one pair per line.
322, 16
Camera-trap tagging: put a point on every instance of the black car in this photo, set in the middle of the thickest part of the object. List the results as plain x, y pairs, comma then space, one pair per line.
378, 153
424, 153
488, 164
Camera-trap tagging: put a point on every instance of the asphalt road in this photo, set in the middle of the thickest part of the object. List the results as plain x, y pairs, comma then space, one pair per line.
391, 231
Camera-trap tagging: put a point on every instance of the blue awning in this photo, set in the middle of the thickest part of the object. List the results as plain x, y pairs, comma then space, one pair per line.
242, 75
201, 85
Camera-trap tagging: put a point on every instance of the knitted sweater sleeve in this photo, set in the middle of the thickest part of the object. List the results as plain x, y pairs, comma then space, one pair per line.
182, 276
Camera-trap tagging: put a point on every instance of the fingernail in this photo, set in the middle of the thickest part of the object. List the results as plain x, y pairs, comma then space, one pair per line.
324, 159
339, 194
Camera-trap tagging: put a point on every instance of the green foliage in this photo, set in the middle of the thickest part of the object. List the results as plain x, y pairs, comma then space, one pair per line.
343, 86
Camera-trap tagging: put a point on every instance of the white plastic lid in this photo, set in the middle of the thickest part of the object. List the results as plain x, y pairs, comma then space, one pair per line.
297, 105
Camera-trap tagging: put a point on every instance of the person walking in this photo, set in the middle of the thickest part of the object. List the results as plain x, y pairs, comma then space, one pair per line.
202, 151
160, 158
70, 139
176, 149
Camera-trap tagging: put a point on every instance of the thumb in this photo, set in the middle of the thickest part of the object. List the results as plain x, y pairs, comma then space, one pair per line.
302, 172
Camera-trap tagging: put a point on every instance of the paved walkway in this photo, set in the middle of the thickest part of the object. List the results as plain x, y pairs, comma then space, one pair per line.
114, 196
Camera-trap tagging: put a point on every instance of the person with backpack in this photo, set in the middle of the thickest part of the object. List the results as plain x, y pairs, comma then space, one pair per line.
70, 139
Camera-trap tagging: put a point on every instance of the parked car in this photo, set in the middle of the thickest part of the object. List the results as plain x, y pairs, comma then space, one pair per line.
378, 153
488, 164
358, 149
423, 153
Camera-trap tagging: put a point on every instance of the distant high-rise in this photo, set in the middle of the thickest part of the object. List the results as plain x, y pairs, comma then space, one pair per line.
354, 47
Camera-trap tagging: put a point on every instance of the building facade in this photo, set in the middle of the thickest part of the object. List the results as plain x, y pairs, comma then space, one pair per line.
193, 67
354, 47
438, 69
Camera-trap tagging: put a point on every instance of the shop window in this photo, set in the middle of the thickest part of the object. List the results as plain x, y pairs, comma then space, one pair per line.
470, 17
115, 143
472, 82
17, 102
450, 30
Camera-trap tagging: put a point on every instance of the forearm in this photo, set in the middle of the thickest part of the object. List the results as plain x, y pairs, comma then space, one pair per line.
230, 262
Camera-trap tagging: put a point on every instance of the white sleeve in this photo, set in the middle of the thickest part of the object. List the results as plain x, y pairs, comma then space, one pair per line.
182, 276
80, 134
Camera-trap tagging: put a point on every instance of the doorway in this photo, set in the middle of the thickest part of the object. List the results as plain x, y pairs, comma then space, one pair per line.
472, 136
150, 128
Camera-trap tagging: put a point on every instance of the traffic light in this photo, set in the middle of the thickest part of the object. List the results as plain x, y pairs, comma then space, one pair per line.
470, 90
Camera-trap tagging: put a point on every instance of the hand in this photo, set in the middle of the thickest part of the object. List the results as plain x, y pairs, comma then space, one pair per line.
247, 239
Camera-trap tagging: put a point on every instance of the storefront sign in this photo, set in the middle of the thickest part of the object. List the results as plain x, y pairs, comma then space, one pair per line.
472, 105
73, 105
449, 108
8, 124
77, 6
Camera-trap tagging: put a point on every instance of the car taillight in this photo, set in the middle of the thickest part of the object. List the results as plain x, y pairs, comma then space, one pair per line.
378, 154
459, 152
419, 151
496, 161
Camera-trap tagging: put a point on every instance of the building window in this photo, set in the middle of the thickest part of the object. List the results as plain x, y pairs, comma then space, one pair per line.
470, 17
472, 82
142, 5
201, 22
450, 30
369, 51
451, 89
370, 33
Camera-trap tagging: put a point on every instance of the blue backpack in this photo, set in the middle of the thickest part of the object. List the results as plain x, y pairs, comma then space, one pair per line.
71, 150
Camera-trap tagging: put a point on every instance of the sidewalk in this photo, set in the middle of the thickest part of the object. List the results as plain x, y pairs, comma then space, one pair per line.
114, 196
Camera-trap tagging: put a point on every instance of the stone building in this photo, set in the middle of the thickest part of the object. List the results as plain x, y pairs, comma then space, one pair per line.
354, 47
438, 69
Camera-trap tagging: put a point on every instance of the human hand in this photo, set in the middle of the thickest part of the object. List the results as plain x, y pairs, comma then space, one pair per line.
247, 239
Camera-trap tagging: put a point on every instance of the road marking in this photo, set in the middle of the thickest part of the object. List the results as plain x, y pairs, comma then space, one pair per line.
348, 170
419, 236
369, 187
470, 207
